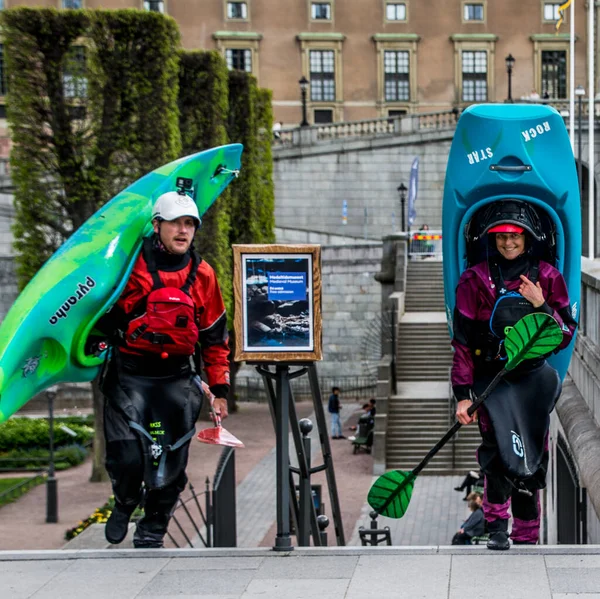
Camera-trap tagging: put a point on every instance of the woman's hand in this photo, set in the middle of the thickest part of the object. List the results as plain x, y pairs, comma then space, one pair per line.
532, 293
461, 412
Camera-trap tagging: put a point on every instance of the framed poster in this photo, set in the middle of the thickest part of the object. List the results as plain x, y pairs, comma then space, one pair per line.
277, 292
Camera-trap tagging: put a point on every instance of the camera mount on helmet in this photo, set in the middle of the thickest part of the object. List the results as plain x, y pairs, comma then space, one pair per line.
184, 185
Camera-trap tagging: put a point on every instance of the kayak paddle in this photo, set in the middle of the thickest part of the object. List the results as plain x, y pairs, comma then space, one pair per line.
533, 336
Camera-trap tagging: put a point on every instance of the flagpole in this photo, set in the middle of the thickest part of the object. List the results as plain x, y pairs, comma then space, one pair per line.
591, 158
572, 78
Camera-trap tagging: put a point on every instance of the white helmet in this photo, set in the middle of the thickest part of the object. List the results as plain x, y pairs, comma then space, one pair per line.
172, 205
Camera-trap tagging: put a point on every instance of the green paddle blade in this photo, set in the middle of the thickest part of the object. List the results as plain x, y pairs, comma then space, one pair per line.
390, 493
533, 336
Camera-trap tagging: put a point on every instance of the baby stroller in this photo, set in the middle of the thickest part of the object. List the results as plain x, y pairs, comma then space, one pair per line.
364, 434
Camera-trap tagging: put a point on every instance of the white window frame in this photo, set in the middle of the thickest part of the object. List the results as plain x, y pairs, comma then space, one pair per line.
483, 76
390, 43
146, 6
555, 6
237, 19
247, 50
467, 43
396, 4
308, 45
464, 6
228, 40
331, 11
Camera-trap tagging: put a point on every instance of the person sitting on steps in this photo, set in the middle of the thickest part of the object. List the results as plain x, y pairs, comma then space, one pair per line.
472, 478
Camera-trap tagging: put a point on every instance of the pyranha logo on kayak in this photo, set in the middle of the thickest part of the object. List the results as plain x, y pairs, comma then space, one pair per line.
81, 291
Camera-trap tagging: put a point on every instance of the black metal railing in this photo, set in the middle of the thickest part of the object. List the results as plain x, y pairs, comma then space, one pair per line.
223, 501
208, 518
187, 524
359, 387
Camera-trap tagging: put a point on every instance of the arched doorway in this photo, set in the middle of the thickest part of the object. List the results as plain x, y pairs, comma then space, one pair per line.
571, 499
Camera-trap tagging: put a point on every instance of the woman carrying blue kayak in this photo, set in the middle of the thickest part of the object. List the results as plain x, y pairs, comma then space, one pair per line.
514, 421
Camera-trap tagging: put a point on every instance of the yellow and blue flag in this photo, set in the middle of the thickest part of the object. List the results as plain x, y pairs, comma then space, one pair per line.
561, 10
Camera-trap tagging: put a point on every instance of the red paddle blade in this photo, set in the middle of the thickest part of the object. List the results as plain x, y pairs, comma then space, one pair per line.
217, 435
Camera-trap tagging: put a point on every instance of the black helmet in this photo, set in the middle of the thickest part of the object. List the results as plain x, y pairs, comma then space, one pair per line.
513, 212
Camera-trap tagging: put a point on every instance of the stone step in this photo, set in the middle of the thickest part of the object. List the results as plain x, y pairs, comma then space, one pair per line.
435, 358
421, 303
427, 376
423, 373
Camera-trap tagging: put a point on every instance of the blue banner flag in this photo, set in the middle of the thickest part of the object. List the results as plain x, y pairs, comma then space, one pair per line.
412, 191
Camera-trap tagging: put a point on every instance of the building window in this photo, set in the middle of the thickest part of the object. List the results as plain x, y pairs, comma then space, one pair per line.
74, 80
322, 75
320, 11
554, 73
3, 78
155, 5
237, 10
473, 12
71, 4
474, 76
239, 59
395, 11
396, 68
323, 116
551, 11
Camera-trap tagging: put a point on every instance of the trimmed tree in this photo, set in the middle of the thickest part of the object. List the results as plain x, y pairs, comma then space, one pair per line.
92, 106
203, 106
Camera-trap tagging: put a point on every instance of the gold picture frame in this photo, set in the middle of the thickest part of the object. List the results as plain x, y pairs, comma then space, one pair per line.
277, 294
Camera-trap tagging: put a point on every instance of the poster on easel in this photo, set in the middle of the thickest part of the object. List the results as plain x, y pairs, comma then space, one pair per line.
277, 292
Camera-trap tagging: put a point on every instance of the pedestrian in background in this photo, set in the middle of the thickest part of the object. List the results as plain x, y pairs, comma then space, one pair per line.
334, 409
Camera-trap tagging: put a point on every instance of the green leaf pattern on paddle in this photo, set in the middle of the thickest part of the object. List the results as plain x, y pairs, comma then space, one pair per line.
533, 336
390, 493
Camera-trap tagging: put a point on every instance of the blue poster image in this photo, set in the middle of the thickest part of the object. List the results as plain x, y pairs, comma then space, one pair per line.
287, 285
278, 314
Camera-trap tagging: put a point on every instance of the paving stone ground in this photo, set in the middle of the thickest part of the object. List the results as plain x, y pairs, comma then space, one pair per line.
561, 572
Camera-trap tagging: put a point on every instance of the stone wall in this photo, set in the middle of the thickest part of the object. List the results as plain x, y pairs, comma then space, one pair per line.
311, 184
351, 311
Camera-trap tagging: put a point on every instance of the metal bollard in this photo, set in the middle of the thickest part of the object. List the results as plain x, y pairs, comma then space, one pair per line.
51, 482
323, 522
306, 499
373, 535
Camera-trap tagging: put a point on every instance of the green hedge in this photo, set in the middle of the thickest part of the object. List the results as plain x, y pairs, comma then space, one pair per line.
30, 433
203, 107
65, 457
64, 167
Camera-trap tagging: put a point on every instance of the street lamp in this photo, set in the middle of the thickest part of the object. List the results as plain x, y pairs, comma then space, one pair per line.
579, 92
304, 83
510, 63
402, 189
51, 491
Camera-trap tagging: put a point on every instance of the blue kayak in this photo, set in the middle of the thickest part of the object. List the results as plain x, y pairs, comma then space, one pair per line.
513, 151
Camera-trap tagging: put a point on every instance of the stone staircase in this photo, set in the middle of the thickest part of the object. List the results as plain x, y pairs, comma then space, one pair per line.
424, 286
420, 413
